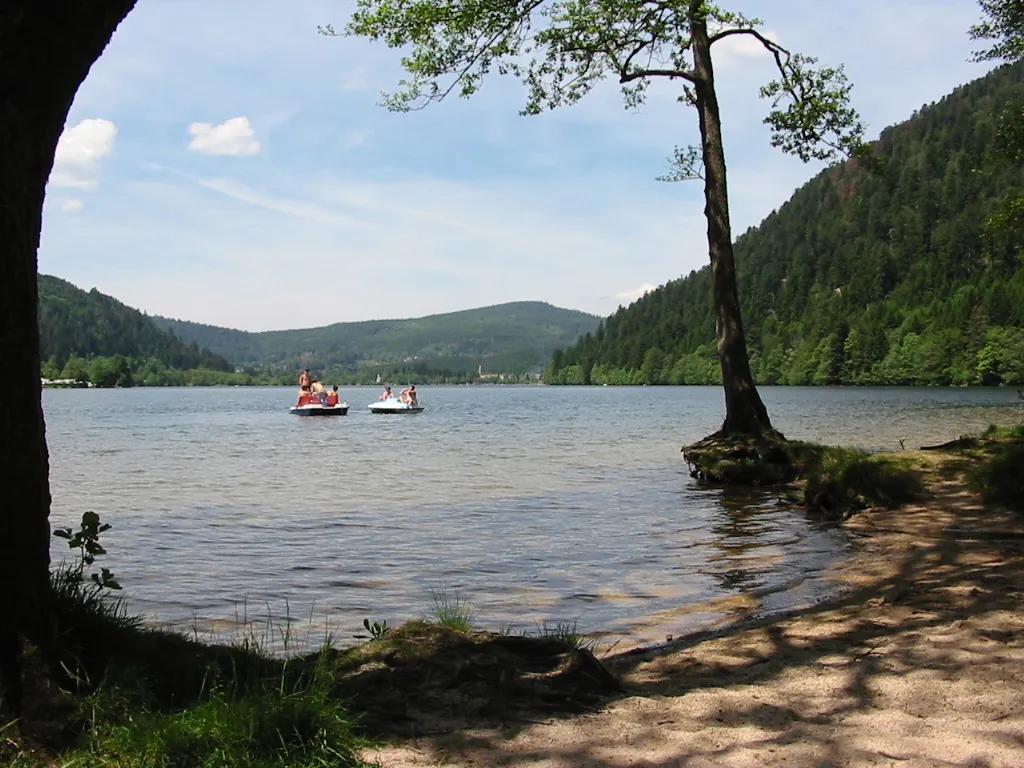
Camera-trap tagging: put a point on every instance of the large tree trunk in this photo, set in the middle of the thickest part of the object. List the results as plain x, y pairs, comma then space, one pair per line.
46, 50
745, 414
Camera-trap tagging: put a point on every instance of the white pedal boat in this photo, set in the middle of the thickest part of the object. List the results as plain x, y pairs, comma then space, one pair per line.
316, 409
393, 405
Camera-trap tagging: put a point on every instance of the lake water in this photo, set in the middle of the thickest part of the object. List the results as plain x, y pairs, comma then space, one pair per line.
537, 504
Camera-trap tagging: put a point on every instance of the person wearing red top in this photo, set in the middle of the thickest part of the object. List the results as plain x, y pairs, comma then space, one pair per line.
332, 397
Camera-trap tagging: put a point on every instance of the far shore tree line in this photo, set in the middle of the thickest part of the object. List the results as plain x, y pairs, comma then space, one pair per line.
124, 371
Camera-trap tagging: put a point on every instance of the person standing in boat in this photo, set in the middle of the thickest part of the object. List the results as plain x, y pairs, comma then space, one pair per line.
305, 382
332, 397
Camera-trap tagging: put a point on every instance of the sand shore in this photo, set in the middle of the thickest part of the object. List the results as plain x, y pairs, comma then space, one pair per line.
920, 663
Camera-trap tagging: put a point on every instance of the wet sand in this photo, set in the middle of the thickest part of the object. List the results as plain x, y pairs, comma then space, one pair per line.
919, 663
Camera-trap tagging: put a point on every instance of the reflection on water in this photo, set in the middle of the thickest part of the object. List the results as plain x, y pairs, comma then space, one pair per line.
537, 503
740, 533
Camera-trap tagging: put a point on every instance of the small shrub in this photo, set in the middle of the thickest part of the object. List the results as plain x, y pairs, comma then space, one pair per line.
376, 631
1000, 477
846, 480
451, 611
87, 541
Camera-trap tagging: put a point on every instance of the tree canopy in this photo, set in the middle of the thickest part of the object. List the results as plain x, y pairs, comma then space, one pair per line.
1003, 24
561, 49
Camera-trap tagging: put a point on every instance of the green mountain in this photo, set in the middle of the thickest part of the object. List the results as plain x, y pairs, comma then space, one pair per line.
76, 325
882, 276
512, 337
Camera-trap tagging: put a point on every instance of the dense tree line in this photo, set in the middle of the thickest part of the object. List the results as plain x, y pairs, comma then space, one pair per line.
126, 371
885, 275
77, 324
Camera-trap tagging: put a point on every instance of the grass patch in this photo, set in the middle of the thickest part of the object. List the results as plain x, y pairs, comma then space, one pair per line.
992, 463
995, 432
298, 726
999, 477
450, 610
837, 481
423, 677
110, 692
843, 480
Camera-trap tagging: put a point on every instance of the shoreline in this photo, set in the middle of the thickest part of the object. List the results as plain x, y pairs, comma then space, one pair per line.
918, 661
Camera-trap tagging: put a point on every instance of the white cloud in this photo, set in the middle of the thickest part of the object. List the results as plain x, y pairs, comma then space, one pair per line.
232, 137
355, 79
79, 150
355, 138
635, 293
70, 204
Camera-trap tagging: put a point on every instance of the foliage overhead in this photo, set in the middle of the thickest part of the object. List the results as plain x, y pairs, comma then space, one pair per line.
1004, 25
883, 277
561, 49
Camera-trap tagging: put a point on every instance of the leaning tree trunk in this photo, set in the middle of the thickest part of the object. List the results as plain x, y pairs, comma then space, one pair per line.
745, 414
46, 50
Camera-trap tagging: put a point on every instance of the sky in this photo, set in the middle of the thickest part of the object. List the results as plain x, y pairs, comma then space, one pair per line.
223, 163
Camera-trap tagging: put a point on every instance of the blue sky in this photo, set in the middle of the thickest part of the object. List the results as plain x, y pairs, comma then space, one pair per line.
225, 164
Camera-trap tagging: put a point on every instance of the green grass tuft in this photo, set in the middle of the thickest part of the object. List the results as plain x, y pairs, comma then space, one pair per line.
451, 611
568, 633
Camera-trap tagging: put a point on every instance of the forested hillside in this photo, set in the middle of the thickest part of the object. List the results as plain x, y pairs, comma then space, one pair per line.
863, 277
503, 338
92, 337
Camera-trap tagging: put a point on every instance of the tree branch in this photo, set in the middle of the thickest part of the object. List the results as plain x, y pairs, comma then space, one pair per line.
771, 45
524, 17
670, 73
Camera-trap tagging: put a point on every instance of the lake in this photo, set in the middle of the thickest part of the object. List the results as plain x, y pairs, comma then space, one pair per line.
536, 504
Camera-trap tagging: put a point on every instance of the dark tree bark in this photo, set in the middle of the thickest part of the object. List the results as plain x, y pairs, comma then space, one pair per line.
46, 50
745, 414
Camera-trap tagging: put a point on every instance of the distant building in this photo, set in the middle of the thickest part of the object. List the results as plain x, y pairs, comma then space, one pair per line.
64, 383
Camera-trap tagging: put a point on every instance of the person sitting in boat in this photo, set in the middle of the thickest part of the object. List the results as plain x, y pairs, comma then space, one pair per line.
386, 394
332, 397
318, 388
305, 382
408, 395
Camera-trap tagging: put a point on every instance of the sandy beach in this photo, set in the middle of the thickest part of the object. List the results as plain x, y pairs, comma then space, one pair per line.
919, 663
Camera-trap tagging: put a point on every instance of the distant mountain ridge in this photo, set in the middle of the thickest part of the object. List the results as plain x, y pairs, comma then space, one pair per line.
516, 336
87, 324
